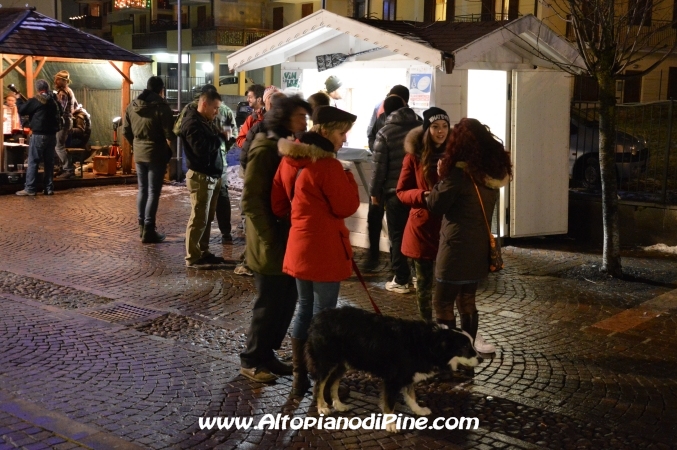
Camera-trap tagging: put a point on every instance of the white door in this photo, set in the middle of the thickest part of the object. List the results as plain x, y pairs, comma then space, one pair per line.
539, 192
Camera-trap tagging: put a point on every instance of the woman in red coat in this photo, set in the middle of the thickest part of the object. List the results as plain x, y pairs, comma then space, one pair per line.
424, 146
312, 187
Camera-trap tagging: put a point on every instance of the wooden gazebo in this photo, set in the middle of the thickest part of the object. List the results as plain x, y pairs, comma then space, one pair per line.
29, 39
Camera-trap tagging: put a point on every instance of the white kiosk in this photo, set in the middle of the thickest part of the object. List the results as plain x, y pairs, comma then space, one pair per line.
505, 74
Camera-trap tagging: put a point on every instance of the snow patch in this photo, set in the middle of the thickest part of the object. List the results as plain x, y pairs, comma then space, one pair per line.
661, 248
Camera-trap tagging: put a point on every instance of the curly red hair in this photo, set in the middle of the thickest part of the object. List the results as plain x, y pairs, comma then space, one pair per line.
472, 142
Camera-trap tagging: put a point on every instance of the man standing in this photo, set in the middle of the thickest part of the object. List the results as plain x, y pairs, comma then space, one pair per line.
376, 210
225, 121
65, 96
43, 113
202, 142
255, 99
388, 157
148, 129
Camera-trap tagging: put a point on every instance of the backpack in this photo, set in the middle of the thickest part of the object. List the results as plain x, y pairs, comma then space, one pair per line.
60, 122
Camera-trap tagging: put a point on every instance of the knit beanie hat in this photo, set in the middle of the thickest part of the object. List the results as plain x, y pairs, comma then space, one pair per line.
332, 83
327, 114
433, 114
400, 91
392, 104
270, 90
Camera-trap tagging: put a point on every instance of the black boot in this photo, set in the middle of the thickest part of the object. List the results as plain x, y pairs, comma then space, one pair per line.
150, 236
469, 324
301, 384
140, 228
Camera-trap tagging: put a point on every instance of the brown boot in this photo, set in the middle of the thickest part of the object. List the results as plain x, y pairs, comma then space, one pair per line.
301, 383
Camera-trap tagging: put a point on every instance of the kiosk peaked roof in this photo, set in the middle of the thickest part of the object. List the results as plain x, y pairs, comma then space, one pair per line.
27, 32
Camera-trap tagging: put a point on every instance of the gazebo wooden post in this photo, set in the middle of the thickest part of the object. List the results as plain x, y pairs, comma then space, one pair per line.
126, 97
30, 77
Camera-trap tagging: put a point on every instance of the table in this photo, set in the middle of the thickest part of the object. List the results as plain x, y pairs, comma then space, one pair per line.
357, 156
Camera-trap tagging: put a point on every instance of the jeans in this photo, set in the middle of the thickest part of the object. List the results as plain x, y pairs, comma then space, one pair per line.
272, 312
203, 208
223, 205
40, 148
61, 138
375, 225
396, 216
150, 176
314, 296
424, 288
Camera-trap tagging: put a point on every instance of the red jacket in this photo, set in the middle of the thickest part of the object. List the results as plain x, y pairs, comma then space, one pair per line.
256, 116
323, 195
422, 233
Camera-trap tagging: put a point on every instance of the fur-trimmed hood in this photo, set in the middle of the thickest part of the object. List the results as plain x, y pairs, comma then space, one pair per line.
413, 142
491, 183
303, 150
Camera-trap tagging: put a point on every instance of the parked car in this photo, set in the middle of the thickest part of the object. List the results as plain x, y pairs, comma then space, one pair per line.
632, 153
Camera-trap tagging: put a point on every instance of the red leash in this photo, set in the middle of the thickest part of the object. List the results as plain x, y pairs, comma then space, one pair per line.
364, 285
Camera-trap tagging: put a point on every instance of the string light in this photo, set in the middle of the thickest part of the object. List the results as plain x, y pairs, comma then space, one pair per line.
136, 4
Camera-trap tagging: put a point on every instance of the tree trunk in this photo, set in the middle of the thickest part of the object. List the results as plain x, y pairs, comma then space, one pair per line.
611, 256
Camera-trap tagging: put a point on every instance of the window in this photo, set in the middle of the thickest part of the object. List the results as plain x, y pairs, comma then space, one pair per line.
429, 11
95, 10
640, 11
586, 89
142, 23
488, 11
202, 16
360, 8
672, 83
278, 18
306, 9
389, 9
632, 88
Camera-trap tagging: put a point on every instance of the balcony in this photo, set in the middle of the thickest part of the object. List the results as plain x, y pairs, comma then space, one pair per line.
145, 41
234, 37
653, 36
90, 22
166, 25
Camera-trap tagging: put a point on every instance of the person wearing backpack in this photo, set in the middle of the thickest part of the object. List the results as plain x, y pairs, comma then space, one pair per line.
69, 104
42, 111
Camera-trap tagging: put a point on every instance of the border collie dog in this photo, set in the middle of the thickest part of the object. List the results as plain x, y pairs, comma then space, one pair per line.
400, 352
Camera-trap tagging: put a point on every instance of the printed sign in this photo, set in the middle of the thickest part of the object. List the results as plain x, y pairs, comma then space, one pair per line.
420, 86
7, 120
291, 79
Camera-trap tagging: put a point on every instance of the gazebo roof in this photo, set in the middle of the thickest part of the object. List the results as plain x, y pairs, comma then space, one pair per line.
27, 32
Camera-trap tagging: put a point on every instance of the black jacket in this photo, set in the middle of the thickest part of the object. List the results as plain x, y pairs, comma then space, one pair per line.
42, 111
257, 128
389, 151
201, 144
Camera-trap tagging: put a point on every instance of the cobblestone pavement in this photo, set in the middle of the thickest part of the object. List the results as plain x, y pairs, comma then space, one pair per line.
118, 337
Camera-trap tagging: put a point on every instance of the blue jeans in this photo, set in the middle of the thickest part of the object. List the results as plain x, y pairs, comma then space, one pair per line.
313, 297
150, 176
41, 148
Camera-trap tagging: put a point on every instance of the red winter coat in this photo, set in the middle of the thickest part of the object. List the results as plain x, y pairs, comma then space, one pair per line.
322, 196
422, 233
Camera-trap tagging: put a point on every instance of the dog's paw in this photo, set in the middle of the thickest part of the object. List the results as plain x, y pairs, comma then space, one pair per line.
341, 407
324, 410
392, 428
422, 411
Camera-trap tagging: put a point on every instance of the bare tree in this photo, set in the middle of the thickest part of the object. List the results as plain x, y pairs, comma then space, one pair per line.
611, 37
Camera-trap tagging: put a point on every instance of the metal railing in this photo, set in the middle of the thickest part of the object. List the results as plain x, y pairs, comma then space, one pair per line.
190, 87
657, 33
157, 39
485, 17
166, 25
91, 22
238, 37
645, 143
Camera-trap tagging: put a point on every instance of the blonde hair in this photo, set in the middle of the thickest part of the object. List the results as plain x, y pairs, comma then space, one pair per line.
330, 127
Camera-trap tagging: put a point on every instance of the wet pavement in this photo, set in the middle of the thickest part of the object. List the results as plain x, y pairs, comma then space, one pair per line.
108, 343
